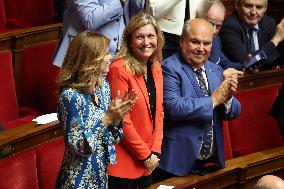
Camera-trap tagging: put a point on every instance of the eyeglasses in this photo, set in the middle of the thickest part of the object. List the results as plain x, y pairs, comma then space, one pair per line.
215, 26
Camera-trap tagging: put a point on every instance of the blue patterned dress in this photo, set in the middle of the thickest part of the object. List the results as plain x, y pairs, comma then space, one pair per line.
89, 145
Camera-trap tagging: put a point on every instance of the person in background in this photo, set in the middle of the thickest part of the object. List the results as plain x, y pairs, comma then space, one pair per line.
107, 17
137, 66
196, 101
269, 182
90, 121
171, 15
59, 8
215, 16
248, 32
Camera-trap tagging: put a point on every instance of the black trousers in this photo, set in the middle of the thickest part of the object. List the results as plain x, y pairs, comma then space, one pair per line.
159, 175
200, 167
124, 183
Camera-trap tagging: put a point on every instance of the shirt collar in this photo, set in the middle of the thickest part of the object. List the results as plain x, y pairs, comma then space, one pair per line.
255, 27
202, 67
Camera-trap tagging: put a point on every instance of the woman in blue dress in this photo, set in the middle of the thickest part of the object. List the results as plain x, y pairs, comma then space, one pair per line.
90, 121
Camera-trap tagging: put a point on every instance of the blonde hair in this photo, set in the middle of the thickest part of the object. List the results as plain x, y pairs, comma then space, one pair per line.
81, 68
126, 52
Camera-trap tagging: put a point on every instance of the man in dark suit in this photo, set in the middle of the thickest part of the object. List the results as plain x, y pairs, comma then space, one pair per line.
215, 16
249, 19
248, 31
196, 101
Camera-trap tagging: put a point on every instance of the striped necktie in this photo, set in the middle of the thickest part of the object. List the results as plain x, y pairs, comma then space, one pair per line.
207, 143
251, 46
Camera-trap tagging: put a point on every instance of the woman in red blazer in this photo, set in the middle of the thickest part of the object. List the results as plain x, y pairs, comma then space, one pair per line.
137, 67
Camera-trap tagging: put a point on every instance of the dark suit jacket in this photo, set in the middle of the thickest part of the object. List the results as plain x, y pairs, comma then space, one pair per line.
235, 46
218, 57
278, 110
187, 113
234, 38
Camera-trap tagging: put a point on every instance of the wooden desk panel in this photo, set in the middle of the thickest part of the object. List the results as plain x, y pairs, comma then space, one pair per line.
240, 172
27, 136
261, 79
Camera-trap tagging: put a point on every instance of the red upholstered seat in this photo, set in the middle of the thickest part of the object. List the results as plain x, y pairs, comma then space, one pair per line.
255, 130
8, 100
48, 162
9, 110
36, 168
18, 122
227, 142
2, 17
19, 172
26, 13
38, 87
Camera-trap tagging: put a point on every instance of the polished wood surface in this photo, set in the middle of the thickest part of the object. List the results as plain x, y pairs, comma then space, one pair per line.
24, 137
240, 172
261, 79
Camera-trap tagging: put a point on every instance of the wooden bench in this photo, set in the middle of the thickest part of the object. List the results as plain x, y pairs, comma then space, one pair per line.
241, 173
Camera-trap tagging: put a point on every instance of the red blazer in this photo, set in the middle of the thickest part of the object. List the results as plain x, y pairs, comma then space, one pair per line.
140, 136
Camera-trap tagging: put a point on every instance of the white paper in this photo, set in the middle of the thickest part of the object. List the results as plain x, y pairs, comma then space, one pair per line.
47, 118
165, 187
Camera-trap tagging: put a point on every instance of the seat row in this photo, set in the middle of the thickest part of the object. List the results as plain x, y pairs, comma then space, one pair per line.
37, 150
15, 14
27, 75
30, 89
254, 130
35, 168
25, 59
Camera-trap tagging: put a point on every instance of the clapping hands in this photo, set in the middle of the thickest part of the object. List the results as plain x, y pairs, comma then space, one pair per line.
225, 91
232, 72
119, 107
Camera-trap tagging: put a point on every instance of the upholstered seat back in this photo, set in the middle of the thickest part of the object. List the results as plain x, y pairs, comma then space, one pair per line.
255, 130
8, 100
38, 87
27, 13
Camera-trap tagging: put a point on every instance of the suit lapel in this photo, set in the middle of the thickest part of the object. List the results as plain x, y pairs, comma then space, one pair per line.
260, 34
244, 32
210, 74
141, 83
156, 82
191, 76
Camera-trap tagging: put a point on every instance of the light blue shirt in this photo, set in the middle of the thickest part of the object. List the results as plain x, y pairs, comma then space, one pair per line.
255, 38
107, 17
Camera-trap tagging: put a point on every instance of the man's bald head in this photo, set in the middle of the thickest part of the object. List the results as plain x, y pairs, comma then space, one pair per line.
194, 24
196, 42
269, 182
